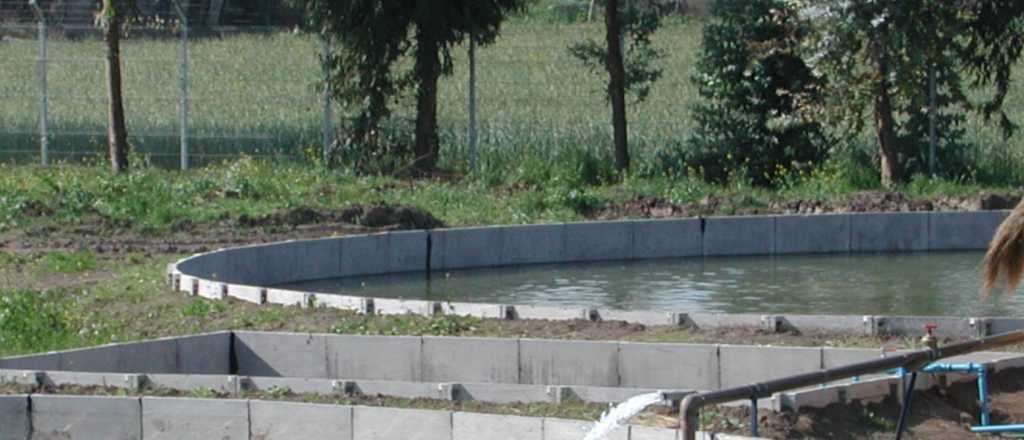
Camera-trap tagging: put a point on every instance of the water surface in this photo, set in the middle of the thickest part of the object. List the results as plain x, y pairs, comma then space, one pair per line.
894, 284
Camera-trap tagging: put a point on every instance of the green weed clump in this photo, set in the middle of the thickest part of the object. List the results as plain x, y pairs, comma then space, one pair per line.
36, 322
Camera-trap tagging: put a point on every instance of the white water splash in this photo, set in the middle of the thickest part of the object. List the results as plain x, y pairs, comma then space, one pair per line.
615, 417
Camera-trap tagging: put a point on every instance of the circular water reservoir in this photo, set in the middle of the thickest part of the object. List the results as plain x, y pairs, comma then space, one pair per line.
849, 284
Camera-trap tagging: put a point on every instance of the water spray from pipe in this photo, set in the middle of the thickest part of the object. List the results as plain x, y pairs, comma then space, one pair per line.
621, 413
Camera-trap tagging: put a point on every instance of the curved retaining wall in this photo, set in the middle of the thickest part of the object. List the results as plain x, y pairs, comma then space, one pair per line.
243, 272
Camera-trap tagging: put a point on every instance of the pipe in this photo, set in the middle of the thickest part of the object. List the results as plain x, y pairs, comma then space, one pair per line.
983, 396
753, 417
691, 404
997, 428
908, 398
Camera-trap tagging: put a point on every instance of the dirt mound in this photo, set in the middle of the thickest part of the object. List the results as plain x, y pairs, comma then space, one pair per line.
390, 217
866, 201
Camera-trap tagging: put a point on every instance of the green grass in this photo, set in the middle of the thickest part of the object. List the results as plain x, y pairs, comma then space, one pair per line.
257, 93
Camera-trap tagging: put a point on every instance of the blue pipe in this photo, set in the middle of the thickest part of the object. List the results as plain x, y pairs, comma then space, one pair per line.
997, 428
983, 396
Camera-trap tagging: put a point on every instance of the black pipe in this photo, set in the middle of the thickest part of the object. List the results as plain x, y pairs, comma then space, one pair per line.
908, 398
753, 417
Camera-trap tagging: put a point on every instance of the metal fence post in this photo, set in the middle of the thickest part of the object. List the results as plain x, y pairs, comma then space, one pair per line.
44, 93
472, 106
328, 123
183, 98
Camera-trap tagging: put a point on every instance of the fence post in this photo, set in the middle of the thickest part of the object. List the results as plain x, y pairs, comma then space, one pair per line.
44, 93
183, 97
328, 123
472, 106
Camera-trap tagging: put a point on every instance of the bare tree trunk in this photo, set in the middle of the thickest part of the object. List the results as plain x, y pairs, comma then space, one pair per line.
428, 71
884, 125
617, 84
590, 11
117, 134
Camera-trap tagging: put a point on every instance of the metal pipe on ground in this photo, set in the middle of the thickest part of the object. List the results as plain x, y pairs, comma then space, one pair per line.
689, 410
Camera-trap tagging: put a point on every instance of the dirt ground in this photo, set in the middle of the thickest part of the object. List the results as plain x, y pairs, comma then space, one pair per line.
97, 235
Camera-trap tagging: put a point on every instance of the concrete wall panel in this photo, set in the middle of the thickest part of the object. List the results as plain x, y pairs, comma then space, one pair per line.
669, 366
85, 417
49, 361
365, 255
287, 297
565, 429
888, 232
407, 251
401, 424
548, 313
340, 302
387, 306
722, 320
103, 358
478, 310
118, 380
739, 236
317, 259
249, 294
506, 393
812, 233
470, 426
667, 238
191, 382
484, 360
374, 357
652, 433
546, 362
963, 230
836, 357
838, 323
737, 362
592, 394
598, 241
281, 354
157, 356
278, 262
288, 421
164, 418
466, 247
204, 354
409, 390
639, 317
14, 417
533, 244
293, 384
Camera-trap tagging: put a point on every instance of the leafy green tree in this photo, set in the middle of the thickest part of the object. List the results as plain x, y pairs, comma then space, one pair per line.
630, 68
372, 36
877, 56
752, 84
112, 19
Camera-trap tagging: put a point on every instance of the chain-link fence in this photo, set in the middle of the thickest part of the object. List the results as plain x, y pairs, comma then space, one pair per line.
213, 93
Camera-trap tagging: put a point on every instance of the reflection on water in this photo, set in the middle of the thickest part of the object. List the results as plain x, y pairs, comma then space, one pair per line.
917, 284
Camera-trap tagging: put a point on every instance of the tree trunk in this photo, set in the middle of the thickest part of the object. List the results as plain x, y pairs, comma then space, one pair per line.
428, 70
117, 134
884, 125
617, 84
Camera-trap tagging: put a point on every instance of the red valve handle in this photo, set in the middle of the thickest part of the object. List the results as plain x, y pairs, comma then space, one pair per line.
930, 327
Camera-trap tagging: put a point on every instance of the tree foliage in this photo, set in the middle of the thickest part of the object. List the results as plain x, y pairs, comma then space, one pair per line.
368, 40
877, 56
752, 84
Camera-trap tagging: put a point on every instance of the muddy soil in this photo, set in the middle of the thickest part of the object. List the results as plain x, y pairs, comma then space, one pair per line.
867, 201
100, 236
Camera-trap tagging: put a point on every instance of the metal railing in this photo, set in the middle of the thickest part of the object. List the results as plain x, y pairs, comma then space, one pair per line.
689, 411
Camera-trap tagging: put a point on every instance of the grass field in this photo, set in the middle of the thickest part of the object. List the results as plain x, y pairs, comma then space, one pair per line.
257, 93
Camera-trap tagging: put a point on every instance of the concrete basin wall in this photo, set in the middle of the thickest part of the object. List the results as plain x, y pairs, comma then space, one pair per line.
31, 417
245, 273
